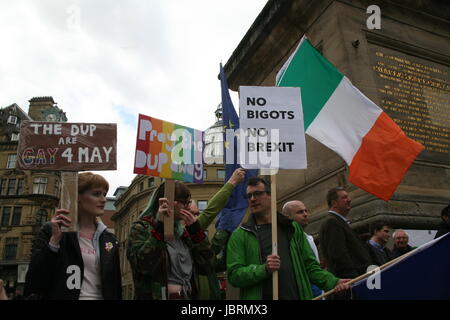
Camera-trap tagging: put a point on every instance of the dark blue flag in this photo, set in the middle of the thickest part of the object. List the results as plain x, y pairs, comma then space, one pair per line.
424, 275
232, 214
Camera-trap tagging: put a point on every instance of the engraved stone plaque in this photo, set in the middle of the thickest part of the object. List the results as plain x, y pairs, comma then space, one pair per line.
416, 93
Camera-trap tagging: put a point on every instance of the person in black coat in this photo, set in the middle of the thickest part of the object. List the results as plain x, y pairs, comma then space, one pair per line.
345, 255
444, 226
81, 265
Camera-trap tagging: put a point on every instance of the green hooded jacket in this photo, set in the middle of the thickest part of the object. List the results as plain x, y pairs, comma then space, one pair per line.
246, 269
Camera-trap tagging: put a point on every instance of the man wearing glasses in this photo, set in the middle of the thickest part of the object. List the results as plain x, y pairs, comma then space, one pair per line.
250, 262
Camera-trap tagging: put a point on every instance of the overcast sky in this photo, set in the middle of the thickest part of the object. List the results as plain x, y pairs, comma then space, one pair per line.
107, 61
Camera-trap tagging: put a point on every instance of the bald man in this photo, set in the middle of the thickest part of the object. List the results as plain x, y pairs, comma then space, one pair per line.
297, 211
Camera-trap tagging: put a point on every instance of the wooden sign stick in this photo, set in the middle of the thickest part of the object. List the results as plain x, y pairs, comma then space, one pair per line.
69, 198
169, 193
273, 188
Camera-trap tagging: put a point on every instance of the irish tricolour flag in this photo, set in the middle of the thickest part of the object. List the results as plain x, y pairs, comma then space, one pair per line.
338, 115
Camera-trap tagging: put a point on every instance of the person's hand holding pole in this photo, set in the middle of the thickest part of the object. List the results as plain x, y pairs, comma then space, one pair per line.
163, 209
272, 263
60, 219
342, 285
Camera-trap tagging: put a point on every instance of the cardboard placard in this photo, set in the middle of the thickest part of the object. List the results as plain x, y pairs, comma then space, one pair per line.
168, 150
67, 146
271, 128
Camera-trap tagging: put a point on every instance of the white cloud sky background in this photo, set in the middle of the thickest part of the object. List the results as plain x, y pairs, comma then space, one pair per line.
107, 61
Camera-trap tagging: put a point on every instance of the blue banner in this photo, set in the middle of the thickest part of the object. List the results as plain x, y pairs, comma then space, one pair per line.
424, 275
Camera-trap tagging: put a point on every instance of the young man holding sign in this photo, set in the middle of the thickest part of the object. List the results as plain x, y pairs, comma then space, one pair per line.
250, 262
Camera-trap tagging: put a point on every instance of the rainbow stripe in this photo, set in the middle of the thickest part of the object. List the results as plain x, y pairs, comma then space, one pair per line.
158, 155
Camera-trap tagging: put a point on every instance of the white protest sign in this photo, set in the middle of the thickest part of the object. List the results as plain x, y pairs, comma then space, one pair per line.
272, 134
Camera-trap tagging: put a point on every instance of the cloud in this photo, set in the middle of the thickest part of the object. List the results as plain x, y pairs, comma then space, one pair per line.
107, 61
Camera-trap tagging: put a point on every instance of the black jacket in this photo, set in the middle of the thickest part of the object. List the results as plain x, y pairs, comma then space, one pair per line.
346, 256
379, 257
443, 229
397, 252
51, 273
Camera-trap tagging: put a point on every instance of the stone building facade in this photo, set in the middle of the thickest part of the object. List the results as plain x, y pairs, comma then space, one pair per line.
27, 199
404, 67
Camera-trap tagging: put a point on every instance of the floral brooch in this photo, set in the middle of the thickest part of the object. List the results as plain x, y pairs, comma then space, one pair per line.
108, 246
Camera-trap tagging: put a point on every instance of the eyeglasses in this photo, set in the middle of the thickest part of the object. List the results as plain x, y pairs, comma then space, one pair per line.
255, 194
184, 202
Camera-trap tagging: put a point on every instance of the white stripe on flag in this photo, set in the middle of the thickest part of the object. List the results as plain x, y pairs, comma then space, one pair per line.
344, 120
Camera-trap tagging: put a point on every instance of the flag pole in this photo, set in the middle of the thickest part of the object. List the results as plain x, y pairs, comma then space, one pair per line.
368, 274
273, 188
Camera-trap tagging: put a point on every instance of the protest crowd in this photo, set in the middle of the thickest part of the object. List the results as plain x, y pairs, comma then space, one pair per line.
85, 265
267, 255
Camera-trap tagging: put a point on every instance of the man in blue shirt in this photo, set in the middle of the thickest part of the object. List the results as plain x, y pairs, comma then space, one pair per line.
377, 243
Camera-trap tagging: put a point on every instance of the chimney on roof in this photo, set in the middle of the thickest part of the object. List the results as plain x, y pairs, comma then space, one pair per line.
45, 109
38, 105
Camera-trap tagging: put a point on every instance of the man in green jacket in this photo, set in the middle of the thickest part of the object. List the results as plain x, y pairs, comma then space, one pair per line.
250, 262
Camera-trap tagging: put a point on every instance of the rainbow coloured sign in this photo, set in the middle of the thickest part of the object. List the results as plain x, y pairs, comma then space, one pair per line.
168, 150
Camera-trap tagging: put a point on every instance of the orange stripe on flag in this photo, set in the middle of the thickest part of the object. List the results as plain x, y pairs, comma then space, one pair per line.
385, 155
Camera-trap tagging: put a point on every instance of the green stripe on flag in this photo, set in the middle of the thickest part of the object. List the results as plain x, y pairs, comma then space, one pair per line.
316, 77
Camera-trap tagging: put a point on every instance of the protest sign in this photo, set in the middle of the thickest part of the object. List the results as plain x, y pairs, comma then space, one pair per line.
271, 137
66, 146
168, 150
272, 133
171, 151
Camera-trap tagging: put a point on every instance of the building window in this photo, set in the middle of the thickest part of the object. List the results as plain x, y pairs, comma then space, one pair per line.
220, 174
11, 164
20, 184
3, 184
202, 204
41, 217
11, 187
12, 120
39, 185
205, 176
141, 187
151, 182
6, 216
17, 214
11, 248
